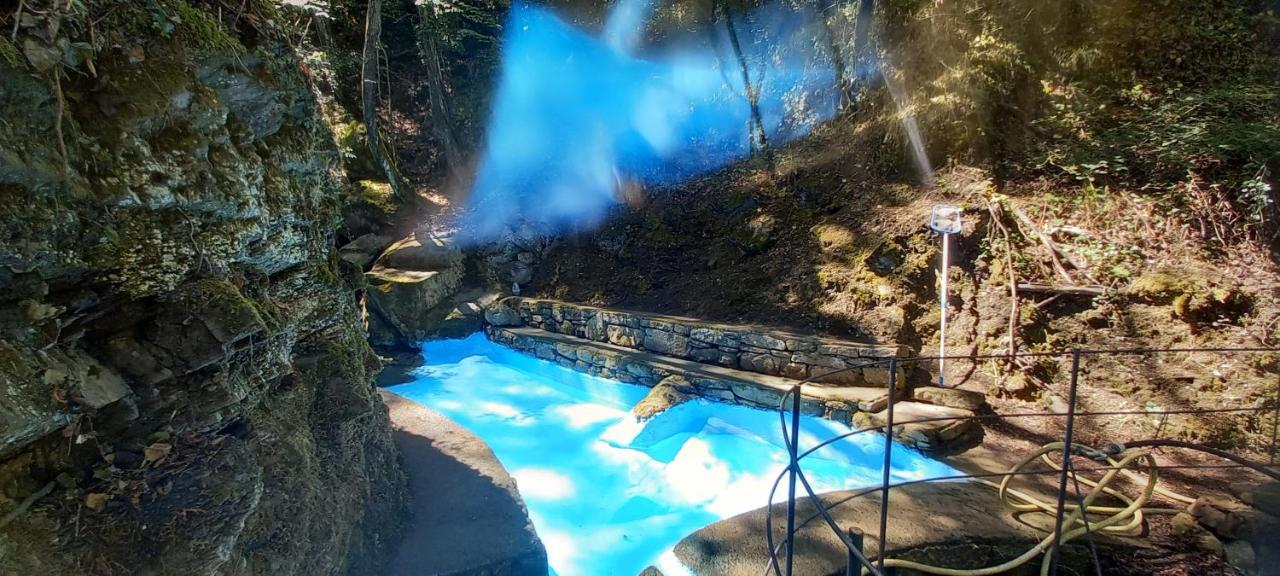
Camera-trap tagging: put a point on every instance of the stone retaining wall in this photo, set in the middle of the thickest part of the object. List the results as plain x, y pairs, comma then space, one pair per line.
744, 347
619, 366
933, 436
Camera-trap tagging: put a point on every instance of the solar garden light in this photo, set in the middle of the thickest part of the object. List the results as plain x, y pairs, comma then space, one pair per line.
945, 220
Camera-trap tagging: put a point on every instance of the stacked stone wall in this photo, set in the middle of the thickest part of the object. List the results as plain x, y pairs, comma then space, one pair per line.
744, 347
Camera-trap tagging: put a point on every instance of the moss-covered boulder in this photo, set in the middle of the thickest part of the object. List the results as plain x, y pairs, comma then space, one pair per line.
669, 393
184, 381
410, 292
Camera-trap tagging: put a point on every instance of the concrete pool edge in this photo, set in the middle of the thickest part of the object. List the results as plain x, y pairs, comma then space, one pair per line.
468, 515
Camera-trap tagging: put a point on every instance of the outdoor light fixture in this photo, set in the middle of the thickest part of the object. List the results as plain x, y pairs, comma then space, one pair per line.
945, 220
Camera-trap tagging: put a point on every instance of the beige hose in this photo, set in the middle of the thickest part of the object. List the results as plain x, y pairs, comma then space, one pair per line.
1124, 521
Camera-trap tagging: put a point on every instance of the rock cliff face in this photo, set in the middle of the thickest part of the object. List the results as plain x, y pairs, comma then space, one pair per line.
184, 380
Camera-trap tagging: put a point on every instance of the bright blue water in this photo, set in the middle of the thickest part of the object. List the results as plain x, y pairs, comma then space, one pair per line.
610, 496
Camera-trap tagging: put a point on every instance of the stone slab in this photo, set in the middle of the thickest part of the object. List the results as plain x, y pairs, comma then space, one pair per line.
928, 427
953, 524
401, 299
421, 252
468, 517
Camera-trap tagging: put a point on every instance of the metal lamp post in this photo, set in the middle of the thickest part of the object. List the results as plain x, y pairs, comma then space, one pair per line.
945, 220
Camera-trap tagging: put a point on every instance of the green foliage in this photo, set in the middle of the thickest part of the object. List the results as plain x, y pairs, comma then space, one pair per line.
9, 53
202, 32
468, 33
1187, 41
1173, 98
377, 193
1207, 152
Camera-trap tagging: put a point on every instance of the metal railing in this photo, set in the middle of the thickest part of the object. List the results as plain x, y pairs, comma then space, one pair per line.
858, 562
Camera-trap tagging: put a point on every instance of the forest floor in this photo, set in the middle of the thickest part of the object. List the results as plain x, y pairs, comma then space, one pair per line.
819, 242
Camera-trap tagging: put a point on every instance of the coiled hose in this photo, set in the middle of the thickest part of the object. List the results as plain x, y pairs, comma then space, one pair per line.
1126, 520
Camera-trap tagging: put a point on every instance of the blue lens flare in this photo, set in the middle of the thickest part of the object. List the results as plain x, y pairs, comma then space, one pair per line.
575, 116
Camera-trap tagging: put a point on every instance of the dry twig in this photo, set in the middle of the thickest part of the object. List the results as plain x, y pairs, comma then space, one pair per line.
1046, 241
997, 215
13, 514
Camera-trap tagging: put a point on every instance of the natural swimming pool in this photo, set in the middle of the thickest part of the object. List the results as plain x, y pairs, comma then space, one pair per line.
610, 496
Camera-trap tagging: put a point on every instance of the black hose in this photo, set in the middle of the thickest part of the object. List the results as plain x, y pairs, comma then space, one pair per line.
1156, 443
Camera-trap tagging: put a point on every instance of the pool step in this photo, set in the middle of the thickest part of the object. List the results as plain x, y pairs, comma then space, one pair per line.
711, 381
744, 347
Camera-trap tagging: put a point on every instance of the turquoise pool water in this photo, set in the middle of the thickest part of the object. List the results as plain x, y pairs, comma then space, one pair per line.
609, 496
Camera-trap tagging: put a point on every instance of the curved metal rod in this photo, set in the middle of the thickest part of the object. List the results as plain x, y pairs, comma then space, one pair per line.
982, 475
794, 465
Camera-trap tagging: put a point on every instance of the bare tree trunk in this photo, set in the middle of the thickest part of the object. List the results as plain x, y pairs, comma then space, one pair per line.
441, 115
369, 91
826, 13
758, 140
861, 38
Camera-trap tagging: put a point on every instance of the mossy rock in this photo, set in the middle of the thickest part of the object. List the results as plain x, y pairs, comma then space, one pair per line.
1161, 286
227, 313
1211, 305
886, 258
834, 239
352, 139
757, 234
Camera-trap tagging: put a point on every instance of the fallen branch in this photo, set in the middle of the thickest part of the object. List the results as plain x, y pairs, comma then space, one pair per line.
17, 19
997, 215
1046, 241
41, 493
1062, 289
61, 111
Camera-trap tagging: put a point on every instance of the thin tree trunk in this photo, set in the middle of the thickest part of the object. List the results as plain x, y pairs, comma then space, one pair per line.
826, 13
862, 60
369, 92
441, 115
758, 140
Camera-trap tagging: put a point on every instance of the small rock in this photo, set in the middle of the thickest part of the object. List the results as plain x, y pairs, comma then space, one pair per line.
763, 341
180, 100
1225, 518
713, 336
624, 336
1017, 384
469, 309
663, 342
520, 273
126, 459
1240, 554
96, 501
593, 329
503, 314
795, 371
362, 251
1209, 543
952, 397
